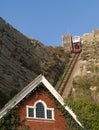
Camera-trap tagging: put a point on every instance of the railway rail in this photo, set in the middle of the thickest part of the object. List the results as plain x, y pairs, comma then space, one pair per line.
67, 74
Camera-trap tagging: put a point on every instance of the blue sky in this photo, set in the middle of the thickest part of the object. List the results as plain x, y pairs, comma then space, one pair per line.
48, 20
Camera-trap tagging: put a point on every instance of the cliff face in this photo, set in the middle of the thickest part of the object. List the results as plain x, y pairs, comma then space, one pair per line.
86, 83
23, 58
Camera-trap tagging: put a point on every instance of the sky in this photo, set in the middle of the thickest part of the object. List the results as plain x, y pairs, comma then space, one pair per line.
48, 20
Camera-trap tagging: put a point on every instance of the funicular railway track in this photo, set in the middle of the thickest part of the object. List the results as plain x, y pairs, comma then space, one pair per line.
67, 74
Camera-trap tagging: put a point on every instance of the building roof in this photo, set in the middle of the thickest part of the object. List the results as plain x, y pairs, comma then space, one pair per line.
30, 87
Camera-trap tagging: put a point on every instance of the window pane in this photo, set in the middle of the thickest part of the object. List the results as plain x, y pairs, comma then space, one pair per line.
40, 110
30, 112
49, 114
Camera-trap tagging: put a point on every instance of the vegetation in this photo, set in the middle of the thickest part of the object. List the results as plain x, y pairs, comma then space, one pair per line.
84, 101
10, 121
73, 124
87, 85
56, 65
87, 111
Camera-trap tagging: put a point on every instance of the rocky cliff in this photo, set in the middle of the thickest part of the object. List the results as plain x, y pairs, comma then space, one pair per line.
86, 83
23, 58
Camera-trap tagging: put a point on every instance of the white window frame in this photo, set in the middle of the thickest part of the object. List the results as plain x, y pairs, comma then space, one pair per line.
27, 114
45, 112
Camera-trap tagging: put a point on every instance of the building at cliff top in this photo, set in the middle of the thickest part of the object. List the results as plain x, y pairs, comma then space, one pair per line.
91, 36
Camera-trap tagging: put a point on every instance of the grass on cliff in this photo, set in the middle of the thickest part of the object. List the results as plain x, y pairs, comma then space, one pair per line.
84, 100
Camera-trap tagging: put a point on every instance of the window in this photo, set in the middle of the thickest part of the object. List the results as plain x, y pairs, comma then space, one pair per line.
49, 114
30, 112
40, 111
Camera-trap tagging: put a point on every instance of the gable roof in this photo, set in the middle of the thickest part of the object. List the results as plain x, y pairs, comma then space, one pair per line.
23, 93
